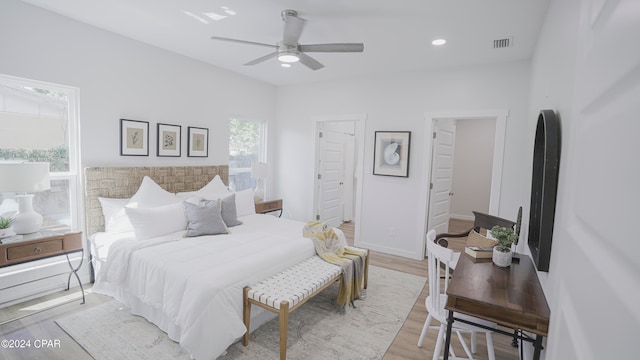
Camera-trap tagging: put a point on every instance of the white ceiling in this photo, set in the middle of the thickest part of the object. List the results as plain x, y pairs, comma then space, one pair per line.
396, 34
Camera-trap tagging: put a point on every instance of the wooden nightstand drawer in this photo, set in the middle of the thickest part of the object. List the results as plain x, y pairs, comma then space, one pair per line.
39, 249
268, 206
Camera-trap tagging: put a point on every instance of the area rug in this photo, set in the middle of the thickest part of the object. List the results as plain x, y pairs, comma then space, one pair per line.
317, 330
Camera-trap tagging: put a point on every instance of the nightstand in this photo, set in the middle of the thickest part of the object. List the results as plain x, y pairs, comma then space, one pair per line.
266, 206
41, 245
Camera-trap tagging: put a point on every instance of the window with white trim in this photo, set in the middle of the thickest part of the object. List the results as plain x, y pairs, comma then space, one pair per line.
39, 123
246, 146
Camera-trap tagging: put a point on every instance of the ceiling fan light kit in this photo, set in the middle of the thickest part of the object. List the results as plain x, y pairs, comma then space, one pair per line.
288, 57
290, 51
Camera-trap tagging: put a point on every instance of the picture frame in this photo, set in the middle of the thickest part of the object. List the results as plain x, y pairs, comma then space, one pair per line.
391, 153
169, 140
134, 137
198, 142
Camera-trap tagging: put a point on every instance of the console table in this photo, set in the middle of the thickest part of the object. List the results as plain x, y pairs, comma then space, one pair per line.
40, 245
511, 297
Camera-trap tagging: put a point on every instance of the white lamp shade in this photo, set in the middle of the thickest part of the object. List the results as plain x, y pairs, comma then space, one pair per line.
26, 177
259, 170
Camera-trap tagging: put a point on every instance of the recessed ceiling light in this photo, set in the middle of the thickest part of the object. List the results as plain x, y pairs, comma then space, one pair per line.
285, 65
439, 42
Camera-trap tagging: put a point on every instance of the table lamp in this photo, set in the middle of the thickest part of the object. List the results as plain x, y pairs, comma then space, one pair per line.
259, 171
25, 177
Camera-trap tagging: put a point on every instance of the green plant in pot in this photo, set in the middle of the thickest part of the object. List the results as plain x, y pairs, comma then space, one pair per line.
502, 252
5, 227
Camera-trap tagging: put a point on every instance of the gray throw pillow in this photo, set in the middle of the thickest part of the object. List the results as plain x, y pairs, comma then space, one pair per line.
229, 211
204, 218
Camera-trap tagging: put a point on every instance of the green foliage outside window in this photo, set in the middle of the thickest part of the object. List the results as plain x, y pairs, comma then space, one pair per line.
58, 158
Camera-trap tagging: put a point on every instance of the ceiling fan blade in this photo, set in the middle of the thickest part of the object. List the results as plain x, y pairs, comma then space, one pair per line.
310, 62
242, 41
293, 26
339, 47
261, 59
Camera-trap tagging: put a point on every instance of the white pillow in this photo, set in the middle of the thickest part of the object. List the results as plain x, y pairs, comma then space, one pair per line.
150, 222
245, 205
115, 218
150, 194
214, 190
204, 218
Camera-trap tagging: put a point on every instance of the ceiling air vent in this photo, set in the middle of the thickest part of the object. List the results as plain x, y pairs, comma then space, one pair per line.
503, 43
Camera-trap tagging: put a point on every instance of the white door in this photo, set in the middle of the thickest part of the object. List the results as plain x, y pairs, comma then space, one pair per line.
441, 176
594, 258
349, 179
330, 177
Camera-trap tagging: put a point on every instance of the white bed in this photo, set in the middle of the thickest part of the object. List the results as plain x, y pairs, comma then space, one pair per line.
191, 287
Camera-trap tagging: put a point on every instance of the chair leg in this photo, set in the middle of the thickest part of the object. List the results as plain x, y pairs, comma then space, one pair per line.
464, 345
425, 328
490, 349
439, 340
474, 342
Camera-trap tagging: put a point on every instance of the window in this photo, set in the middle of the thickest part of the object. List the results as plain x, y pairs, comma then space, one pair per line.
246, 146
39, 123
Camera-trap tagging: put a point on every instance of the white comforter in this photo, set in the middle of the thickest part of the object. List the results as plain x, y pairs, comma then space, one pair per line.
191, 288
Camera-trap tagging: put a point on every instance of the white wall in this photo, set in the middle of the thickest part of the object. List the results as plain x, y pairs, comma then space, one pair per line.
592, 283
122, 78
472, 164
398, 102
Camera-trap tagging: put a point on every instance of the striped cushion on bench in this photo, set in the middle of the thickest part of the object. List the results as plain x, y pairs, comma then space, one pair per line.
295, 283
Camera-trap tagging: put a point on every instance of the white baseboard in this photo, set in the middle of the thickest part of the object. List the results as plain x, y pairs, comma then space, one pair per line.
389, 250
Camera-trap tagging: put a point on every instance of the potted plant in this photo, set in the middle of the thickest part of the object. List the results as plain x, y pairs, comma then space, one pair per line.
5, 227
502, 252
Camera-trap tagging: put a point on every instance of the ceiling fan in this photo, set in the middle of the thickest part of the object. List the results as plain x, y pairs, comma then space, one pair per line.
289, 50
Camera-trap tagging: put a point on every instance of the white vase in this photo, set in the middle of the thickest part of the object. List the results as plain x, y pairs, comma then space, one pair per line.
500, 258
26, 221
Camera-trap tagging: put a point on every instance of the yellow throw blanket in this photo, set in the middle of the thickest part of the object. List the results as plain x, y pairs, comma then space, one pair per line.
351, 260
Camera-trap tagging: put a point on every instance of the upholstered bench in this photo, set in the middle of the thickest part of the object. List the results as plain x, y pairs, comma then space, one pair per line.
289, 289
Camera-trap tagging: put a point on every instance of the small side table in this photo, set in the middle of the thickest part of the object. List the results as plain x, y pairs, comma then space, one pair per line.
267, 206
40, 245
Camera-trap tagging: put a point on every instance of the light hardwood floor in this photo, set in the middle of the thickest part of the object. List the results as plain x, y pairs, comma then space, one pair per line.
404, 346
42, 326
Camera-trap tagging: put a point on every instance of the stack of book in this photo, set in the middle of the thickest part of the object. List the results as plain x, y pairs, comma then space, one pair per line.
479, 252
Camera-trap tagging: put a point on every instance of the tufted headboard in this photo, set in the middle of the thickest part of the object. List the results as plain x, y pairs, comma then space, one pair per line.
123, 182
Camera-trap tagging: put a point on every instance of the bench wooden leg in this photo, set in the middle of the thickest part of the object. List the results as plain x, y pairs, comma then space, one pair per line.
366, 269
284, 328
246, 314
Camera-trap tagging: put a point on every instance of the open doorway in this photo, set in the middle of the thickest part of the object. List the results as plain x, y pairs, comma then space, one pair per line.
472, 165
482, 132
338, 170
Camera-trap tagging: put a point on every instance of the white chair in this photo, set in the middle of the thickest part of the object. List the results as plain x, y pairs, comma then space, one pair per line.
437, 299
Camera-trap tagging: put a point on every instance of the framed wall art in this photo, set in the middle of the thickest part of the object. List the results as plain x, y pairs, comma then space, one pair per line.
134, 138
198, 142
391, 153
169, 140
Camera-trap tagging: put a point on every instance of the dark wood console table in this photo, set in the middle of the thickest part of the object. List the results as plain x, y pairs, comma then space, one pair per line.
511, 297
